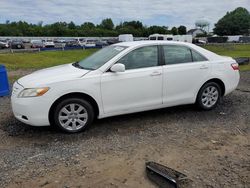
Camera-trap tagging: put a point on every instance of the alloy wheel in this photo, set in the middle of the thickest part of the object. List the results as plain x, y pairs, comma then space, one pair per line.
73, 117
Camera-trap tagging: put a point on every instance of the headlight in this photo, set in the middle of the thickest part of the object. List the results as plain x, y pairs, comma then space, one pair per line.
33, 92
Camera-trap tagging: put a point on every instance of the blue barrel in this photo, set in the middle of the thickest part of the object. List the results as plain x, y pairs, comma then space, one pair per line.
4, 84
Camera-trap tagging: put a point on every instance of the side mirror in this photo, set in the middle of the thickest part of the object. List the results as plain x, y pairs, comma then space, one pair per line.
118, 68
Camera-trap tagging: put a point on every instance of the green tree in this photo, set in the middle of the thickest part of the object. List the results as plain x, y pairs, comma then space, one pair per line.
236, 22
71, 25
182, 30
88, 25
107, 24
157, 29
174, 31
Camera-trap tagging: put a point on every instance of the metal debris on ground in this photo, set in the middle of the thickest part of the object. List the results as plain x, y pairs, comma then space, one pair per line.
166, 177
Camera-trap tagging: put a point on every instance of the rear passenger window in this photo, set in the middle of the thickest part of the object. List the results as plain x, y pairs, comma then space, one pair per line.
197, 56
160, 38
177, 54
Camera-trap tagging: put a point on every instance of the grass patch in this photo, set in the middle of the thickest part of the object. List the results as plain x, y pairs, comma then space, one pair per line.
40, 60
232, 50
245, 67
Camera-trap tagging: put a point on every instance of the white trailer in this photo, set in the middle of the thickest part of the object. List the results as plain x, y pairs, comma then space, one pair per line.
181, 38
235, 38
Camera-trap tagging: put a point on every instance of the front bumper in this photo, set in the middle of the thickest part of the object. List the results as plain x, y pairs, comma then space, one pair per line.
32, 111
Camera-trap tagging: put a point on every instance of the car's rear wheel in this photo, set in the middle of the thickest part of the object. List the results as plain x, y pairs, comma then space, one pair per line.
209, 96
73, 115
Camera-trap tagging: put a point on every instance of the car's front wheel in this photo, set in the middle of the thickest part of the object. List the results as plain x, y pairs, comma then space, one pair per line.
209, 96
73, 115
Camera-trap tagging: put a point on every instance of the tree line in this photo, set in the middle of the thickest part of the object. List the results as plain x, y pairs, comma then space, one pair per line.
236, 22
105, 29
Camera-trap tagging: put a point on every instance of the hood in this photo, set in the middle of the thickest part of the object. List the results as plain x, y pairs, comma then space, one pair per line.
52, 75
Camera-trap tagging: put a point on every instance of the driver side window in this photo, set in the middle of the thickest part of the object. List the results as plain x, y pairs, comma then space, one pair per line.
141, 58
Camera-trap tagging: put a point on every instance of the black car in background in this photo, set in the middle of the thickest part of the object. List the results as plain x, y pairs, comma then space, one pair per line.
17, 44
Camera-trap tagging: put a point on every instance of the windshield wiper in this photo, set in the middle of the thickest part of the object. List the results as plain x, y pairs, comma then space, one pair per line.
76, 64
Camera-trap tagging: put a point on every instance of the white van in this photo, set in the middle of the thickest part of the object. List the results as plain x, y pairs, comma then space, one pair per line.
86, 42
125, 38
49, 43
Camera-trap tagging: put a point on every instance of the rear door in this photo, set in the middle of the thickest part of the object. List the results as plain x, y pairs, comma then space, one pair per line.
184, 72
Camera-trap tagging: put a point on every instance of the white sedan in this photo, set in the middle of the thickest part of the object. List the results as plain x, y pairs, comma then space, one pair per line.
121, 79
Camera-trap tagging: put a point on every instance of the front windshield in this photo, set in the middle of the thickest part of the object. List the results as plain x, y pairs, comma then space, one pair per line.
100, 57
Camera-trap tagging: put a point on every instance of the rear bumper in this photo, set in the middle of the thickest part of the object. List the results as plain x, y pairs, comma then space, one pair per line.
232, 82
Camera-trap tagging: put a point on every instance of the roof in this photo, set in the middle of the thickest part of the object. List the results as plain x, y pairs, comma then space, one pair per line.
208, 54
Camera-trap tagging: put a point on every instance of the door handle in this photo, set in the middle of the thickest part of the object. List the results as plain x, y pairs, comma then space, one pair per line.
204, 67
155, 74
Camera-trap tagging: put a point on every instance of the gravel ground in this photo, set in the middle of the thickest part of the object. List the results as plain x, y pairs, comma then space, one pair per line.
211, 148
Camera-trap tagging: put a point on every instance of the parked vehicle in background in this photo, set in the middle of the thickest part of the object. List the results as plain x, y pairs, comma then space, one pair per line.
81, 41
161, 37
3, 45
245, 39
125, 38
217, 39
59, 40
112, 41
101, 43
90, 43
234, 39
199, 41
25, 40
17, 44
86, 42
72, 43
37, 44
180, 38
48, 43
121, 79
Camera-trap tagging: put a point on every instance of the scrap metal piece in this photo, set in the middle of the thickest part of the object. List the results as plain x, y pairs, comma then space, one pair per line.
166, 177
242, 60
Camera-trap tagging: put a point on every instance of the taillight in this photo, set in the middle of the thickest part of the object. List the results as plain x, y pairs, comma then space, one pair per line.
235, 66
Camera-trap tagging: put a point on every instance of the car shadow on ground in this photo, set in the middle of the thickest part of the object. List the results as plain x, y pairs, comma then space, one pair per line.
101, 127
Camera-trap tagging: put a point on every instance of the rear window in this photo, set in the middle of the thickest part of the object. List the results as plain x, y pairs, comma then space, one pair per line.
197, 56
177, 54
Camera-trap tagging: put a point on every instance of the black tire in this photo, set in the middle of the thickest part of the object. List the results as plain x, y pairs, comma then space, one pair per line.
77, 101
200, 96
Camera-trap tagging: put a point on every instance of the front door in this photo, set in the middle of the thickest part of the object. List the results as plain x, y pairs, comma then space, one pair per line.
140, 86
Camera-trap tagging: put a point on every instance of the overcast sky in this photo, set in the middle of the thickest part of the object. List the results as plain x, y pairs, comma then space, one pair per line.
150, 12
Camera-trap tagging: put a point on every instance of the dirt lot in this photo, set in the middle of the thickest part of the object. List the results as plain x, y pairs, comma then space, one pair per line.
212, 148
